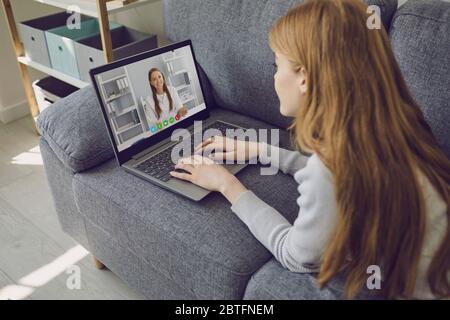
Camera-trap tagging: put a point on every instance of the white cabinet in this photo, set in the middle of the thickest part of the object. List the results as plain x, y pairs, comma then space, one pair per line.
122, 107
181, 78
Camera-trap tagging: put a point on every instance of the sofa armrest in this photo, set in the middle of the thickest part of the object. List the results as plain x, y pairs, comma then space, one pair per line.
75, 130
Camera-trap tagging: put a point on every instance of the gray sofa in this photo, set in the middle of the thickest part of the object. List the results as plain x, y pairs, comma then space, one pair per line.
168, 247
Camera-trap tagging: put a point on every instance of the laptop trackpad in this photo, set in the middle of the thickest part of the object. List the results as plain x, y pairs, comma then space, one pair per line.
193, 191
186, 188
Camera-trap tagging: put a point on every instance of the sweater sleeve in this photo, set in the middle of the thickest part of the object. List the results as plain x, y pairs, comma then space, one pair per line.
289, 162
298, 247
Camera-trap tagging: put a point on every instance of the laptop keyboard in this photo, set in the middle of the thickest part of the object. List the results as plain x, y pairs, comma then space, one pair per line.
160, 165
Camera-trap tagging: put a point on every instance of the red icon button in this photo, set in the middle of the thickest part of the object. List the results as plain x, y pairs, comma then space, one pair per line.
177, 117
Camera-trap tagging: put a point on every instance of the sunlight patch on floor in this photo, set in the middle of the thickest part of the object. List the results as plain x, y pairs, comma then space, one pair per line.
31, 157
43, 275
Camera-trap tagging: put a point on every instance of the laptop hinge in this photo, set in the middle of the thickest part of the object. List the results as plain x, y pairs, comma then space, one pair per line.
150, 149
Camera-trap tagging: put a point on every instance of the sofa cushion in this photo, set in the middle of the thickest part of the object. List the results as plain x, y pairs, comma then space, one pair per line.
202, 246
420, 36
273, 282
387, 8
75, 130
230, 39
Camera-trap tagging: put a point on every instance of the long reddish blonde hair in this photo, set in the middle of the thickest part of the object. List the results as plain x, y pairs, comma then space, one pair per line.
363, 123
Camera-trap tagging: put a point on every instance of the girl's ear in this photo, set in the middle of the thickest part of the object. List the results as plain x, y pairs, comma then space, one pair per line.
302, 80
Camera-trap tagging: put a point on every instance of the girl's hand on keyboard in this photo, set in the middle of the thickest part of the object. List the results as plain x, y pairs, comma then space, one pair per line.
221, 149
205, 173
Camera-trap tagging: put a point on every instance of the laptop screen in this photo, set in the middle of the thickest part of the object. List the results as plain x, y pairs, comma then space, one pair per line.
144, 98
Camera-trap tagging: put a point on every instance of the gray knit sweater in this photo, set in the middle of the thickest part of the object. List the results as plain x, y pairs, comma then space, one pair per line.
299, 247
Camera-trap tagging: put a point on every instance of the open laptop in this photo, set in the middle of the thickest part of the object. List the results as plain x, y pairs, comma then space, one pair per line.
140, 122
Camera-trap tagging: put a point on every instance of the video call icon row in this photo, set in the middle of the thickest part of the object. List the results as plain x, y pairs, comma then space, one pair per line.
165, 123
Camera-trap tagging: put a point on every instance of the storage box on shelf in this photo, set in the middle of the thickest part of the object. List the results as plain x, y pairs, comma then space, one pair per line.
61, 44
75, 51
49, 90
33, 50
125, 42
32, 33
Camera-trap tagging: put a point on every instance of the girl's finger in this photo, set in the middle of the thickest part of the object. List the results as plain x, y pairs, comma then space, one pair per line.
182, 176
201, 145
208, 149
220, 156
205, 143
187, 160
184, 166
199, 160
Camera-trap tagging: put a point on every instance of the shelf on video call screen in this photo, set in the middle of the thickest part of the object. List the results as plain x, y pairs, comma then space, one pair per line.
115, 97
127, 127
121, 76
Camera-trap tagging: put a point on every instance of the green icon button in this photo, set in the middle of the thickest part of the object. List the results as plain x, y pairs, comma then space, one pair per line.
166, 123
171, 120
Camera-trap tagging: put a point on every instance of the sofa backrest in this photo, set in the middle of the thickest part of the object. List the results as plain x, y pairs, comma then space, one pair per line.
230, 39
420, 36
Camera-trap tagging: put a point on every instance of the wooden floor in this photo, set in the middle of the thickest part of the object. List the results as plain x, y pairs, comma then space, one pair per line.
37, 260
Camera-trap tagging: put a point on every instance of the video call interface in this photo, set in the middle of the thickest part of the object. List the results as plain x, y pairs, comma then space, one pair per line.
151, 95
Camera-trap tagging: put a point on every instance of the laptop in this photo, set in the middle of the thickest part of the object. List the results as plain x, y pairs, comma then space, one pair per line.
146, 101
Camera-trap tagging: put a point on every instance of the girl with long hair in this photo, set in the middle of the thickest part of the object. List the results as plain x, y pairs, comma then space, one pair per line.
164, 101
375, 189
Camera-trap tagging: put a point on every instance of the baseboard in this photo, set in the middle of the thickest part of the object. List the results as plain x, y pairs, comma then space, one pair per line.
14, 112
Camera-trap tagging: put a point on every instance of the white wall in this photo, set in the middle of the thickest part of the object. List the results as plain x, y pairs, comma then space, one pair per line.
13, 104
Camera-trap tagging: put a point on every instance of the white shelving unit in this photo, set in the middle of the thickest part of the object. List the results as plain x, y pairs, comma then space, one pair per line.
186, 91
95, 8
127, 110
182, 87
89, 7
52, 72
126, 123
128, 127
179, 72
118, 96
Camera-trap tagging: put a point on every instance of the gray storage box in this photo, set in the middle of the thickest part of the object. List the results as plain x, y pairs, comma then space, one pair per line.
32, 33
49, 90
61, 45
125, 42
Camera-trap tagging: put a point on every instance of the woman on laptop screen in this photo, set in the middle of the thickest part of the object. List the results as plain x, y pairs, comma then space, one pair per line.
163, 103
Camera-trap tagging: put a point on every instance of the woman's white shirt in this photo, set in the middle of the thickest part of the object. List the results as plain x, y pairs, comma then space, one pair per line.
149, 106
